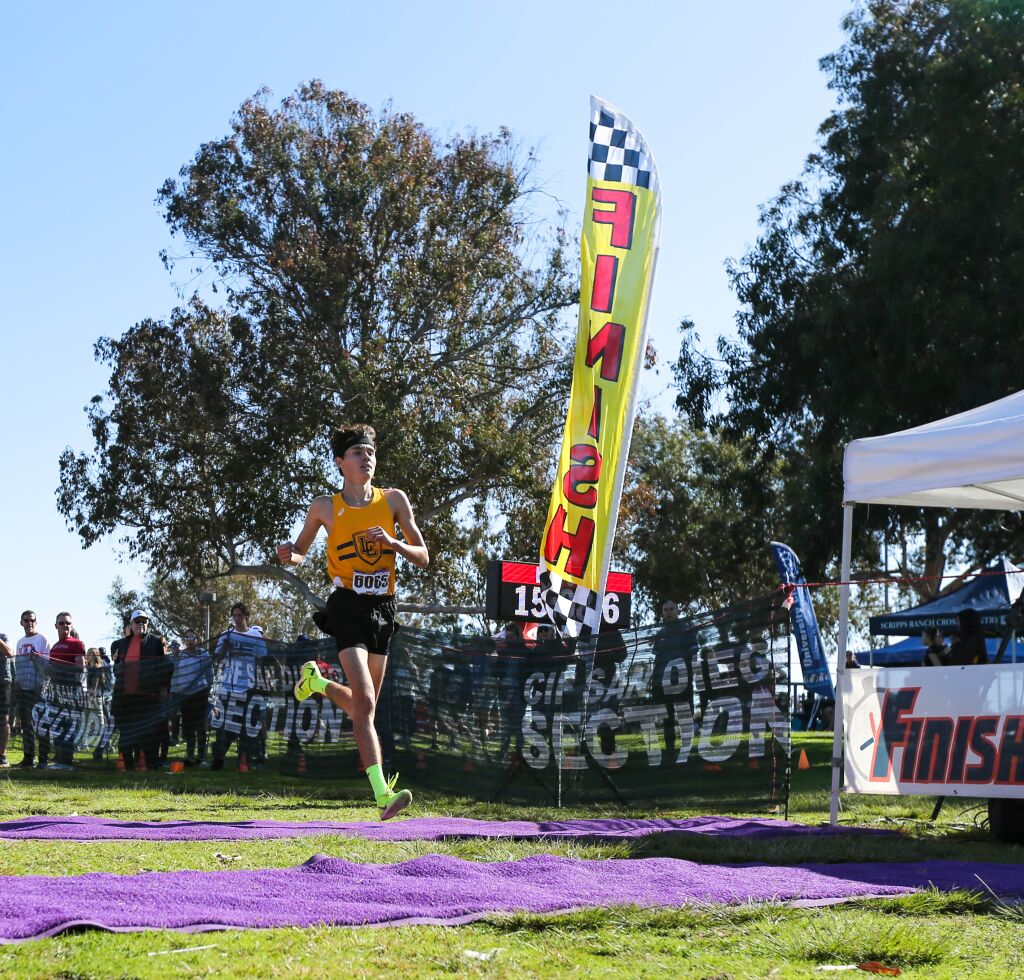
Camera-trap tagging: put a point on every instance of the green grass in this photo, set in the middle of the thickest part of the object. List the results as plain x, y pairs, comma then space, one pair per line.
929, 934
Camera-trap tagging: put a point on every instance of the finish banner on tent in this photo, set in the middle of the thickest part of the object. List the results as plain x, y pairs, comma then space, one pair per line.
619, 245
935, 731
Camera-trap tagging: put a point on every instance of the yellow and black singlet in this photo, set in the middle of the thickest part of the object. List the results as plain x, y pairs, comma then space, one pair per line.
353, 560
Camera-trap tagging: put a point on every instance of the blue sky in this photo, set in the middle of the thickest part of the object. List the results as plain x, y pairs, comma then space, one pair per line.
102, 102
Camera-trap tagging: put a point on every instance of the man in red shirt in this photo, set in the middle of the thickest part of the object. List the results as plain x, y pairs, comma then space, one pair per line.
67, 669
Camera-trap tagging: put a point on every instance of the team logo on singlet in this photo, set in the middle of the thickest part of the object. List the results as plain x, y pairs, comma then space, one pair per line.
368, 549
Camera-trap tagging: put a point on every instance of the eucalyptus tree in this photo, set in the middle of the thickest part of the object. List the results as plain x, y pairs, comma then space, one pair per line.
349, 266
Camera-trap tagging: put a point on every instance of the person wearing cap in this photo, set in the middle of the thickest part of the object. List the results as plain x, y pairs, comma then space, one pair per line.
142, 676
360, 523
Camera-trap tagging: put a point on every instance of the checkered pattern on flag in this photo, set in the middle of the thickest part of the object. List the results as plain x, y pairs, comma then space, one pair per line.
619, 244
574, 609
618, 151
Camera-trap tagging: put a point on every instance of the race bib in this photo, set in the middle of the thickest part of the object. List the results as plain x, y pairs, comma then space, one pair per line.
371, 583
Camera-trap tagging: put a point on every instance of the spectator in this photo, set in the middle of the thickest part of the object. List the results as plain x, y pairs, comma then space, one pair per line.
142, 675
67, 676
934, 649
99, 687
460, 691
851, 661
29, 673
609, 656
672, 643
970, 646
511, 704
190, 689
405, 698
6, 695
240, 645
670, 611
170, 734
439, 686
806, 710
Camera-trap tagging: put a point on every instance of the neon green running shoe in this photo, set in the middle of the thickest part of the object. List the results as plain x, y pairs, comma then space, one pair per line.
310, 682
396, 802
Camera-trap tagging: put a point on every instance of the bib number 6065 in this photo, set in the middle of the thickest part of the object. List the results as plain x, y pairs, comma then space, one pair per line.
370, 583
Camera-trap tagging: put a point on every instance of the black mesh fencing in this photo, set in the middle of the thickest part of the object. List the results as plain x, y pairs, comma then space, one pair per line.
694, 711
685, 712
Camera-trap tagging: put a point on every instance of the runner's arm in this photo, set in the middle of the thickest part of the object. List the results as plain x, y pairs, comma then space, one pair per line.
413, 548
292, 553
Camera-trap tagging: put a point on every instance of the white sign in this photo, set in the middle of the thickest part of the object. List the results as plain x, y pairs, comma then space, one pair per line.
935, 731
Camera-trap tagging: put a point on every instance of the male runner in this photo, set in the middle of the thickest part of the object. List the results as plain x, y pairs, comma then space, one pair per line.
361, 547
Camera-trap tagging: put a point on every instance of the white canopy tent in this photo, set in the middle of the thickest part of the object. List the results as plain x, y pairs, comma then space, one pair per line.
974, 459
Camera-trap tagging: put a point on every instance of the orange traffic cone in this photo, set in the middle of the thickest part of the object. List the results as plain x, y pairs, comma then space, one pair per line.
140, 762
243, 763
120, 762
804, 762
302, 763
712, 767
421, 762
753, 764
467, 765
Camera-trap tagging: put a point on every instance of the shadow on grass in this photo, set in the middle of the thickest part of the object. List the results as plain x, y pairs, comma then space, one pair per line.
695, 917
784, 932
706, 849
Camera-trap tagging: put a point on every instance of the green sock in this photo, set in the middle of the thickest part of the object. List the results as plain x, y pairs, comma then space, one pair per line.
380, 785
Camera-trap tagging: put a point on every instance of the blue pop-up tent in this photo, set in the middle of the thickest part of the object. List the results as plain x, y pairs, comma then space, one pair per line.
991, 594
910, 653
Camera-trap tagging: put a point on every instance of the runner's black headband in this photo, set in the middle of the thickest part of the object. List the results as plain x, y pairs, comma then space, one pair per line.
355, 440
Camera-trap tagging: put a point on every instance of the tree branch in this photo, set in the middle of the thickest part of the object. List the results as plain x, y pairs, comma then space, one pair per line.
282, 575
458, 610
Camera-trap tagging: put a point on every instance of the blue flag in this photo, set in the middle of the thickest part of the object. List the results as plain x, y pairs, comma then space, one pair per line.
817, 676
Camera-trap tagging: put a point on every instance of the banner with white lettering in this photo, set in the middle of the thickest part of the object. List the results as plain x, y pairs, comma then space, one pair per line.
695, 710
619, 245
935, 731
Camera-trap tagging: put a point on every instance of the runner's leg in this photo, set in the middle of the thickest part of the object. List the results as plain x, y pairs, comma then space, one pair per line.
364, 686
365, 673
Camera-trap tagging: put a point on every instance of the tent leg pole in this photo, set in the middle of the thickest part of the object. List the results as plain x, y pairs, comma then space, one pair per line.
844, 623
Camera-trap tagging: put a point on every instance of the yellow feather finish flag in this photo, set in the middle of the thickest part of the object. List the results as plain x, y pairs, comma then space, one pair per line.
621, 227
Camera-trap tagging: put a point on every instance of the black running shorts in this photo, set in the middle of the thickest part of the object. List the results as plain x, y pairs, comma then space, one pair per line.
356, 620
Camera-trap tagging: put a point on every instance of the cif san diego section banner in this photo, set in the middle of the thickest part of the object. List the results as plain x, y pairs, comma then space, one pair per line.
619, 245
934, 731
817, 677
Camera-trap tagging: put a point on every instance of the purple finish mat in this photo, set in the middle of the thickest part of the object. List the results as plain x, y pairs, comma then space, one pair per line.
443, 890
416, 828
